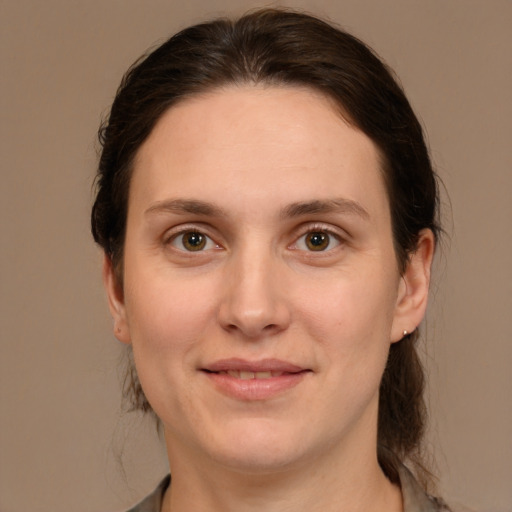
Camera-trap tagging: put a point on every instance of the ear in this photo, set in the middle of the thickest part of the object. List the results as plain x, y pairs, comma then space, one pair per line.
413, 288
116, 304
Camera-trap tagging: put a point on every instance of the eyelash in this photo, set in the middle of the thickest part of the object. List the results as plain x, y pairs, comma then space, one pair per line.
334, 236
210, 244
190, 230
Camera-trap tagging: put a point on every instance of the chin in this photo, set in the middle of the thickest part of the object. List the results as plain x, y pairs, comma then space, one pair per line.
258, 461
261, 447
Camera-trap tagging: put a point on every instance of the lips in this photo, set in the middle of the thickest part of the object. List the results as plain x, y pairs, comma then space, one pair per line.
264, 365
244, 375
254, 380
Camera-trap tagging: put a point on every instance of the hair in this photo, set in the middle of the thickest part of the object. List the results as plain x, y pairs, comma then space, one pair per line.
274, 47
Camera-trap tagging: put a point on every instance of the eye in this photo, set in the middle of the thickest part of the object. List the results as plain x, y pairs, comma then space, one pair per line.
192, 241
317, 241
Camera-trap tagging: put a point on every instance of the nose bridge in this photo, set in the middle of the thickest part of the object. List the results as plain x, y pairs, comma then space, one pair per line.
253, 301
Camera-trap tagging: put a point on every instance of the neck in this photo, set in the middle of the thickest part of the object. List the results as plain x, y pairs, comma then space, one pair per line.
353, 482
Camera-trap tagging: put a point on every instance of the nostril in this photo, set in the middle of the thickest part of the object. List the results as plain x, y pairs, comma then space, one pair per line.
254, 315
253, 332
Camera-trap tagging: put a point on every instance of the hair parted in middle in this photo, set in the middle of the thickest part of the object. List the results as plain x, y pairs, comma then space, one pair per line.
282, 48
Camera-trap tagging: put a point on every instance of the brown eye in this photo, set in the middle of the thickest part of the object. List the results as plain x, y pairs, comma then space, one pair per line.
317, 241
192, 241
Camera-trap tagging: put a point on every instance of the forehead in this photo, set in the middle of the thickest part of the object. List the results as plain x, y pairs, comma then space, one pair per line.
281, 144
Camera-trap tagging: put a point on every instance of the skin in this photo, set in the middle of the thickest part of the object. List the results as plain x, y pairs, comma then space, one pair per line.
257, 290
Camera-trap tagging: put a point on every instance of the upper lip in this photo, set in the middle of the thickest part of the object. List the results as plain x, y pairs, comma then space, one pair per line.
263, 365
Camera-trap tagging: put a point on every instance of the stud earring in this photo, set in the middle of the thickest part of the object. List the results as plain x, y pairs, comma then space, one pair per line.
405, 333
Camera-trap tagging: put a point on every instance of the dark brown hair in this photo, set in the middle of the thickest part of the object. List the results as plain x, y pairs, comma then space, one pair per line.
280, 47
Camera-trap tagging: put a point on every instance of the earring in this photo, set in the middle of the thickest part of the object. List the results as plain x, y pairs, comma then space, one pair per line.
405, 333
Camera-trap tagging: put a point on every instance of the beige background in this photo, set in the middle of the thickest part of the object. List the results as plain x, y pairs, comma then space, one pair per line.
62, 434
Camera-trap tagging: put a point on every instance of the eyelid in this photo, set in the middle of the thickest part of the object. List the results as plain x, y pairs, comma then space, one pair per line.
172, 234
337, 233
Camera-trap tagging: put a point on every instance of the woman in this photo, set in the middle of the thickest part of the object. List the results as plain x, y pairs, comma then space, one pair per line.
268, 213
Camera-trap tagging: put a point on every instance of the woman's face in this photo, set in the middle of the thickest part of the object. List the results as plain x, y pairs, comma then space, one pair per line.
261, 290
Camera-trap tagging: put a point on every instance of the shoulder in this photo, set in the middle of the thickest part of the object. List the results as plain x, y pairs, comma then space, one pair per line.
460, 508
415, 498
153, 502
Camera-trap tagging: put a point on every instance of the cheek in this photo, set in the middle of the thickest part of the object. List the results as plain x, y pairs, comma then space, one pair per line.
167, 319
350, 318
167, 314
356, 307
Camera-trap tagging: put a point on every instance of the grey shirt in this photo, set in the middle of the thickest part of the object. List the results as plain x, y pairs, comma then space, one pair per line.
414, 498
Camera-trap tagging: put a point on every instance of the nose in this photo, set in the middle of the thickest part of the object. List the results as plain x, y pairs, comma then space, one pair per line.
255, 304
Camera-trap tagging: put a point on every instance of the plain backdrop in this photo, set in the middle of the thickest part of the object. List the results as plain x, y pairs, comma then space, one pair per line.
64, 443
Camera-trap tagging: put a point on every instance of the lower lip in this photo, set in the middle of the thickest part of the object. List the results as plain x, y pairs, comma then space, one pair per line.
255, 389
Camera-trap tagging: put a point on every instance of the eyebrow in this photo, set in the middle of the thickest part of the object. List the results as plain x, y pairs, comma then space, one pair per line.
183, 206
341, 205
317, 206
